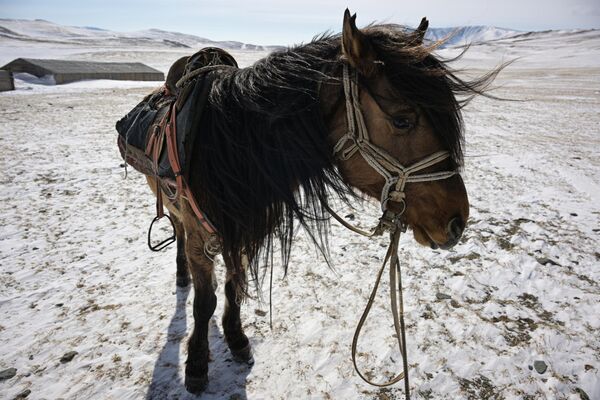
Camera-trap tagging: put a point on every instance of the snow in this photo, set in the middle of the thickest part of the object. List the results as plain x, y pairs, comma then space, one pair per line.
523, 282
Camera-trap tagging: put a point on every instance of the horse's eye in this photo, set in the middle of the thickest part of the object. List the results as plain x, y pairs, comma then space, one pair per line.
402, 123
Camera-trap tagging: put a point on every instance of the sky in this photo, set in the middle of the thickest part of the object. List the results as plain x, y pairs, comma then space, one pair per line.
288, 22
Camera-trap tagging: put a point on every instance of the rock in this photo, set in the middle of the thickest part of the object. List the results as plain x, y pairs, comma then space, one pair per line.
540, 366
454, 303
7, 373
442, 296
23, 394
546, 261
68, 356
260, 313
350, 217
582, 395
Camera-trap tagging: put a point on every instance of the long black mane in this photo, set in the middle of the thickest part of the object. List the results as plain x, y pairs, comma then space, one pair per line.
262, 162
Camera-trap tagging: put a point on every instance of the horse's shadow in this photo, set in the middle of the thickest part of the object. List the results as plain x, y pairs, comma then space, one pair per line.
227, 378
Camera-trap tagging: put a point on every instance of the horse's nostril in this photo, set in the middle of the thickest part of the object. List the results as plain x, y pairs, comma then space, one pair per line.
455, 228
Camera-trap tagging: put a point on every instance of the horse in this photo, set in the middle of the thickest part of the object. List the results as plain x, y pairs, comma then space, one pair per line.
338, 117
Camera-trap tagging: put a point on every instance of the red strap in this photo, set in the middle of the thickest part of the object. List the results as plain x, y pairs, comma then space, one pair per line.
182, 186
166, 131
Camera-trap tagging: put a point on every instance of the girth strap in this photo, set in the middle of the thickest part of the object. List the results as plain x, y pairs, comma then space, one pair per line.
183, 188
166, 132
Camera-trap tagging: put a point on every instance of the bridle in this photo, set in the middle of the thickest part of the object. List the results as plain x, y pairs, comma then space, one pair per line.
395, 174
396, 177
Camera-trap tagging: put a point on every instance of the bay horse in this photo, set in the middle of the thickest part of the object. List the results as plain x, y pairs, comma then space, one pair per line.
341, 115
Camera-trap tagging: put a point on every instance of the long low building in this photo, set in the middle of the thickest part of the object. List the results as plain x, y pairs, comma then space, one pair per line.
6, 81
64, 71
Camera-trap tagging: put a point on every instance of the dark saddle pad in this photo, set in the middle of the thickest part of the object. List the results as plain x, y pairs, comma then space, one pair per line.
187, 88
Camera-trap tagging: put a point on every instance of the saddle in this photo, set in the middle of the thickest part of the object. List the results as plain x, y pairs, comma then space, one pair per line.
156, 137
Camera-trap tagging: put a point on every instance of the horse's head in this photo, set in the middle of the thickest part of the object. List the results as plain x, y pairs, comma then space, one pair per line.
405, 97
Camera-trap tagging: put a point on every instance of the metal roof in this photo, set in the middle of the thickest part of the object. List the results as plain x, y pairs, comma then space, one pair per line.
68, 66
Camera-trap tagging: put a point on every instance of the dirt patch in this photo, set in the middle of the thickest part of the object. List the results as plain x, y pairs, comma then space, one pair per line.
480, 388
516, 331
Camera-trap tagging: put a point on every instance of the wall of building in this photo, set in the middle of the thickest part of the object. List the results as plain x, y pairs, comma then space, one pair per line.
6, 81
131, 76
65, 72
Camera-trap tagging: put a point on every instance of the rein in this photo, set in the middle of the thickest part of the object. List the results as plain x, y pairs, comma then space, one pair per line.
396, 177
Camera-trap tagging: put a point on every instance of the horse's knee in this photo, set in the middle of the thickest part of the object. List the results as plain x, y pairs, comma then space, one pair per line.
183, 274
204, 306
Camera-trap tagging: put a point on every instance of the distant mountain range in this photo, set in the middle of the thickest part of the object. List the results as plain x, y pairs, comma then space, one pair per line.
49, 32
469, 34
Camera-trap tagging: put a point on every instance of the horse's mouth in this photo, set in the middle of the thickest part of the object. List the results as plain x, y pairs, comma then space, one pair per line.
423, 238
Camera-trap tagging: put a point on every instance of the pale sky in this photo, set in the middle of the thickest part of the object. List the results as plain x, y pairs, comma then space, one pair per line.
287, 22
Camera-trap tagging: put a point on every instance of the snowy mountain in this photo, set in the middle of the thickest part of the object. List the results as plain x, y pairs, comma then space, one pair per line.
41, 30
45, 31
458, 36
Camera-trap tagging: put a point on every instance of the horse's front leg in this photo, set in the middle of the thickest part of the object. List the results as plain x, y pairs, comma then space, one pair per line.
183, 275
205, 301
238, 342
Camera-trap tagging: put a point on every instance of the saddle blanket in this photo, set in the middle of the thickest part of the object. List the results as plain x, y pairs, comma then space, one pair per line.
185, 92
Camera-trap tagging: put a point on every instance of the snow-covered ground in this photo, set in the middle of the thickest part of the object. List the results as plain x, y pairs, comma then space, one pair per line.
522, 286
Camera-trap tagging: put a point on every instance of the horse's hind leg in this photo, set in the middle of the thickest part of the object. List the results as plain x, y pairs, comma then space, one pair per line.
205, 301
183, 274
238, 342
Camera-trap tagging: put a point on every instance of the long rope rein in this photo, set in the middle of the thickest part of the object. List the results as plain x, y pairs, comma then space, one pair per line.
396, 176
397, 311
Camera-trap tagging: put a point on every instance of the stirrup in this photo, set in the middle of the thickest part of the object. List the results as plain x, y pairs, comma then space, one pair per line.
167, 241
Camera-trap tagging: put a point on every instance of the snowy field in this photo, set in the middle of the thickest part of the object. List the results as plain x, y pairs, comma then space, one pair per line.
521, 288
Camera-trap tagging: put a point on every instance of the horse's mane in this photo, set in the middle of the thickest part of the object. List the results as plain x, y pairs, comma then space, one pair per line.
262, 163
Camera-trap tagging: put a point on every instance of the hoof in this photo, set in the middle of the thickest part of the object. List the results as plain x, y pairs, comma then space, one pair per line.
243, 355
196, 384
182, 281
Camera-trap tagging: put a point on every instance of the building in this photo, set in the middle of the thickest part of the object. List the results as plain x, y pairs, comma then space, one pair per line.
64, 71
6, 81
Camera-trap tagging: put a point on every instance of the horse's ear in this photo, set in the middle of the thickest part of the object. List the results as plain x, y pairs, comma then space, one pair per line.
356, 46
420, 31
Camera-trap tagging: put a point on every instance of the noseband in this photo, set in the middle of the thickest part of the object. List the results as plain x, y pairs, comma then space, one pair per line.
396, 177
